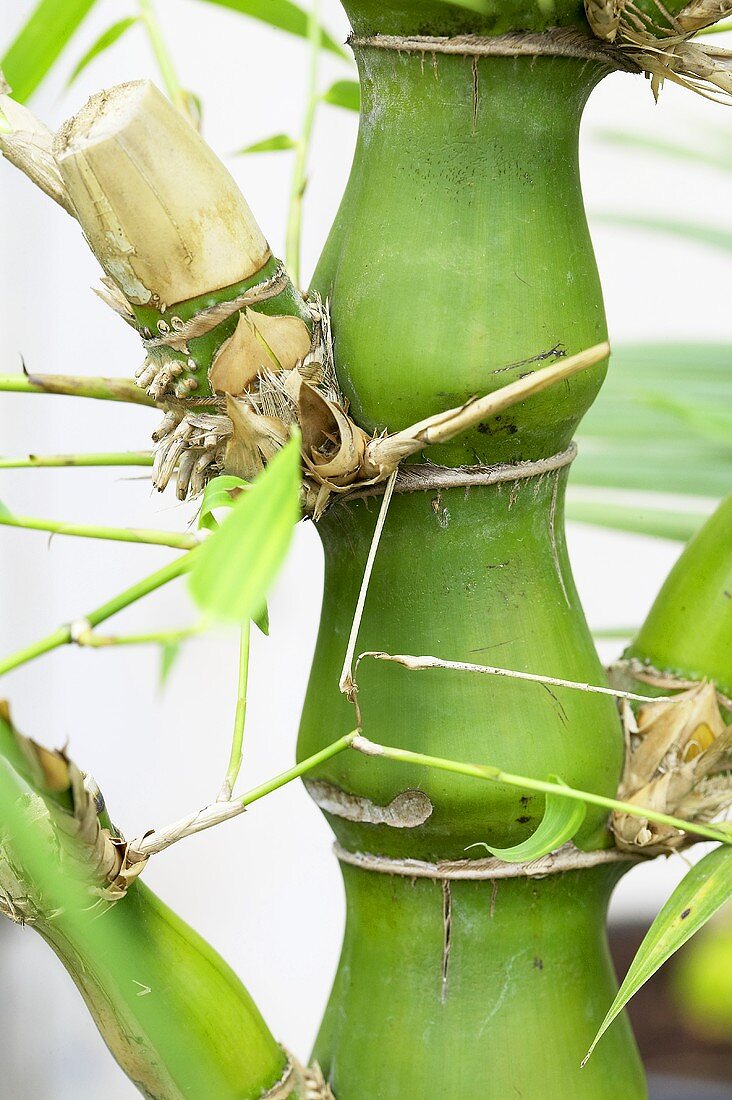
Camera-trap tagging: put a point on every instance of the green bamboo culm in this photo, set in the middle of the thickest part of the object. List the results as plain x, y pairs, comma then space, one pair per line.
176, 1018
688, 630
461, 252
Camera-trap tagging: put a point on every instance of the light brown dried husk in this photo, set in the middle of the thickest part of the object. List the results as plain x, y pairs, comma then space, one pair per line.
162, 214
254, 441
604, 18
702, 13
678, 762
28, 147
259, 342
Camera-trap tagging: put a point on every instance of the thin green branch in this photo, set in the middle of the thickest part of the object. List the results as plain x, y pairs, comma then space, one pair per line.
92, 531
101, 389
64, 635
48, 462
91, 640
299, 175
160, 839
495, 775
237, 743
163, 57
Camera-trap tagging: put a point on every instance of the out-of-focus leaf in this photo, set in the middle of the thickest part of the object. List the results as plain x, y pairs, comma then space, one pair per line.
221, 492
701, 982
662, 422
237, 564
638, 519
344, 93
278, 143
106, 39
697, 232
282, 14
662, 147
169, 654
40, 42
699, 895
562, 818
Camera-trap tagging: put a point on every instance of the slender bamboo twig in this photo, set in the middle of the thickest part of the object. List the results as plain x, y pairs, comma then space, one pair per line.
64, 635
299, 175
422, 664
92, 531
46, 462
160, 839
495, 775
100, 389
164, 59
237, 744
346, 683
91, 640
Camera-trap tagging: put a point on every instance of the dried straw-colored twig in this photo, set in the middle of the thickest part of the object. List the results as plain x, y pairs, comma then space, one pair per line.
422, 664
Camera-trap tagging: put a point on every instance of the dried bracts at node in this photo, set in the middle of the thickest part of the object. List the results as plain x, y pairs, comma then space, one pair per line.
68, 811
656, 37
678, 762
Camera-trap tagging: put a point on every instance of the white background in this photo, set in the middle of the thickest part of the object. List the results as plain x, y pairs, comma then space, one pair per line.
264, 890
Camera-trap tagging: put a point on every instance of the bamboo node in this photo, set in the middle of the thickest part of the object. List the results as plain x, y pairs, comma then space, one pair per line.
678, 761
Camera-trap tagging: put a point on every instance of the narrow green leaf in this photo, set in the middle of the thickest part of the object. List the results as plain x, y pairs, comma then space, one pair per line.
562, 818
662, 523
106, 39
344, 93
40, 42
4, 510
675, 150
700, 894
221, 492
169, 654
278, 143
236, 566
283, 14
697, 232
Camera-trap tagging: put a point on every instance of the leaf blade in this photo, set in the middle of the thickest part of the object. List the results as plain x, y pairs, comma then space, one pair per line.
345, 94
40, 42
282, 14
105, 40
278, 143
561, 821
699, 895
236, 566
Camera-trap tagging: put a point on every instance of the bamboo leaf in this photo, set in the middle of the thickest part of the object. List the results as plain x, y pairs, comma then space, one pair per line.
700, 894
661, 147
562, 818
169, 654
344, 93
103, 42
221, 492
278, 143
236, 566
697, 232
662, 523
283, 14
40, 42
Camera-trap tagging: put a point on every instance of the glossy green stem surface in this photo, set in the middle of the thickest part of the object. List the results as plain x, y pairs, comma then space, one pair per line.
489, 990
688, 631
459, 260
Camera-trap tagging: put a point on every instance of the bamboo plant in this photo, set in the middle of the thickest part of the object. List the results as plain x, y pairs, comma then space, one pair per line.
419, 403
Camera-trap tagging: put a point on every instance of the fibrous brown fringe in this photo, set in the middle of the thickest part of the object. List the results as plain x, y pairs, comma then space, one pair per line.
660, 45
